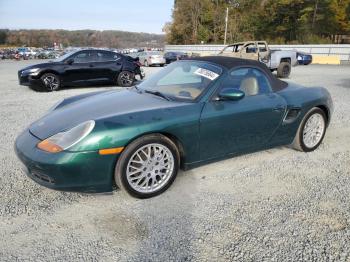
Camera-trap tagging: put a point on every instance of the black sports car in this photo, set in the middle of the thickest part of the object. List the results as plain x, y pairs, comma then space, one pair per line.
81, 67
174, 56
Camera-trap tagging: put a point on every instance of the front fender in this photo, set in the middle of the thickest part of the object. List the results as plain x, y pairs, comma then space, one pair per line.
118, 131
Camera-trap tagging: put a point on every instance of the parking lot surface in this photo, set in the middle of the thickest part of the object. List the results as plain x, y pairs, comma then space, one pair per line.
277, 204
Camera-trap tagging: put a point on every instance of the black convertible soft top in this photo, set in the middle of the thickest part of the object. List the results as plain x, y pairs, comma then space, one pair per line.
231, 62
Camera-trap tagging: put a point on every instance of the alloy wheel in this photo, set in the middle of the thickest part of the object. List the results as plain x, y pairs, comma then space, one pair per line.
51, 82
313, 130
150, 168
126, 79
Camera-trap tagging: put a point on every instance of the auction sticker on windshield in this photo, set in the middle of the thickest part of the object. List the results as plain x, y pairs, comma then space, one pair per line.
206, 73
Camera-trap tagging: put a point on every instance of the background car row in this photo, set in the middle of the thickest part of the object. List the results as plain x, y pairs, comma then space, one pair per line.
24, 53
28, 53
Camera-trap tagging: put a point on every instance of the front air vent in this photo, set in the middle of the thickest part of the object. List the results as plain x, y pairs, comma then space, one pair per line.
291, 115
42, 177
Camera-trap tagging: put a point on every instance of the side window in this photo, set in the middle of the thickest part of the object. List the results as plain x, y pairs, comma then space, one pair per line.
101, 56
250, 80
228, 49
250, 48
82, 57
238, 48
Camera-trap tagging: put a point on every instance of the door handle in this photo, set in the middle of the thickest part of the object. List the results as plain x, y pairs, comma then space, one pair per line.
91, 65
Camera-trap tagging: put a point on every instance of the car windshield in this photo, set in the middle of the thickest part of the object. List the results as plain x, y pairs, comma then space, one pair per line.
182, 80
63, 57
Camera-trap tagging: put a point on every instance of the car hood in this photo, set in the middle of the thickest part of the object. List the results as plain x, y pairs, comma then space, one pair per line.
97, 107
41, 65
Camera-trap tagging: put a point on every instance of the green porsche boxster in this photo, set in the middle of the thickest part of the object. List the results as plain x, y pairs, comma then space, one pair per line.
192, 112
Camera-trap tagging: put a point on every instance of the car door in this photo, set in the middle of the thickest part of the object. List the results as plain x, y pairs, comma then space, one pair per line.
228, 127
104, 66
79, 70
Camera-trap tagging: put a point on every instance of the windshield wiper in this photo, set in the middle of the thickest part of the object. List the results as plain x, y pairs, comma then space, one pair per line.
157, 93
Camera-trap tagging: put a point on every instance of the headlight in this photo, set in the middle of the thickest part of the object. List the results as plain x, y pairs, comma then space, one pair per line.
64, 140
32, 71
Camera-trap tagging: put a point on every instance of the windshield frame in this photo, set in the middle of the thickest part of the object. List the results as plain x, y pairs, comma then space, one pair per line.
203, 92
65, 57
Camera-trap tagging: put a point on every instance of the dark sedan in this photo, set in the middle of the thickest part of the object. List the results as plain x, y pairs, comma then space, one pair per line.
174, 56
81, 68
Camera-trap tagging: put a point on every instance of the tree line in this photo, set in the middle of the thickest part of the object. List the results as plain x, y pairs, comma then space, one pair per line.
277, 21
110, 38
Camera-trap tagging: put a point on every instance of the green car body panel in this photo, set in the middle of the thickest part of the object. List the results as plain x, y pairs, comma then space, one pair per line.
204, 130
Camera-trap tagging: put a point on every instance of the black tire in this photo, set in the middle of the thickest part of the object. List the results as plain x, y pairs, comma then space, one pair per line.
299, 143
120, 175
284, 69
125, 79
50, 82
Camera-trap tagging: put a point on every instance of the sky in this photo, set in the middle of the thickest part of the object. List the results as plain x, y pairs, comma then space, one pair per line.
127, 15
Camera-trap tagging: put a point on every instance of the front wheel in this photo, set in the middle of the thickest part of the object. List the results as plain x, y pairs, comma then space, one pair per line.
148, 166
125, 79
51, 82
311, 131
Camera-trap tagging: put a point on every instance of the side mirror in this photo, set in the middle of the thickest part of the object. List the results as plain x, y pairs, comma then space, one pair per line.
232, 94
70, 61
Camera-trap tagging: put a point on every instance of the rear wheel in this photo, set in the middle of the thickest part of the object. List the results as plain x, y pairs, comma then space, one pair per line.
51, 82
311, 131
148, 166
284, 69
126, 79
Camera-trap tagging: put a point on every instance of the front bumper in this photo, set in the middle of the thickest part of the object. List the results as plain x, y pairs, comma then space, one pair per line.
305, 62
66, 171
29, 80
157, 61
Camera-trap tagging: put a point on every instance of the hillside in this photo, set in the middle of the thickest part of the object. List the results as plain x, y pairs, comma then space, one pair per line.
115, 39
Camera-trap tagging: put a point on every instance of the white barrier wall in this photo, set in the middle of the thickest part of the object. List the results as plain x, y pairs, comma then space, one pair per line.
342, 51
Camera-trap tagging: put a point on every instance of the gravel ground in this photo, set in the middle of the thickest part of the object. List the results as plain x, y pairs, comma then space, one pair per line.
274, 205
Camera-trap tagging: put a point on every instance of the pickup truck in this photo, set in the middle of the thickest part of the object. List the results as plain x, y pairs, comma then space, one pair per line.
279, 60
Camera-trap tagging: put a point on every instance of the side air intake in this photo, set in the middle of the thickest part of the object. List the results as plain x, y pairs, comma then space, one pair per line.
291, 115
